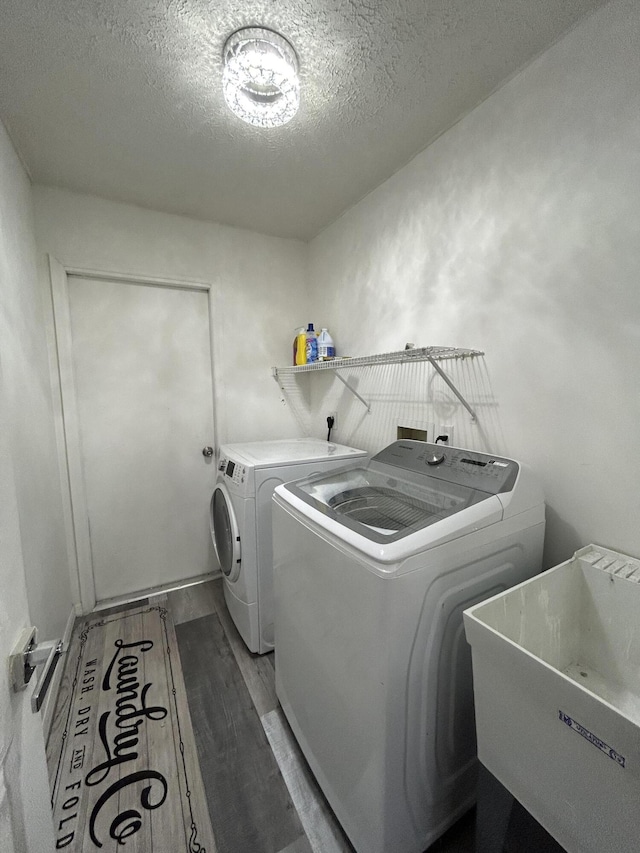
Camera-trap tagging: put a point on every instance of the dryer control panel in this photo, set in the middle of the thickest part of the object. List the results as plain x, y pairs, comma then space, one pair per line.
235, 471
491, 474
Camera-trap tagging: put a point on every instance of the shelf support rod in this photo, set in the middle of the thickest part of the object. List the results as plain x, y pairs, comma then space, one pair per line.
276, 375
354, 392
444, 376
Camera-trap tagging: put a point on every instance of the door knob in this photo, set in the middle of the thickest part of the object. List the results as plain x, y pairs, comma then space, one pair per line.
207, 452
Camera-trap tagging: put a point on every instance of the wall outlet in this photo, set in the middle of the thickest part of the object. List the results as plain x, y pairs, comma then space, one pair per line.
446, 429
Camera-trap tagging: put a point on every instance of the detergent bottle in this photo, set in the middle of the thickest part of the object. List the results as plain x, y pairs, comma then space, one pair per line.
300, 347
326, 349
312, 344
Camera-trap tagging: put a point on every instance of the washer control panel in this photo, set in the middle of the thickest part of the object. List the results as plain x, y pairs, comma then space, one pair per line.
493, 474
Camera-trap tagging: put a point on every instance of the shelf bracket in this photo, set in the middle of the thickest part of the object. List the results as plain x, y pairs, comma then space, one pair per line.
444, 376
276, 375
354, 392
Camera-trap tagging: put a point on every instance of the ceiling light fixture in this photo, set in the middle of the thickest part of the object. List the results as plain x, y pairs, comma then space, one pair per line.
260, 79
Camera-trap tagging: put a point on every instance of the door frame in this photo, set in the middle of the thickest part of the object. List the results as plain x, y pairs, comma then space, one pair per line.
75, 508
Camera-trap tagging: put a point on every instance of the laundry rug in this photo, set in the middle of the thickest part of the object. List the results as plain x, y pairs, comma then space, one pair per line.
126, 775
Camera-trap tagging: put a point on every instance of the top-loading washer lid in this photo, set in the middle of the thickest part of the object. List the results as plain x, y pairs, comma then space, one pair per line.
406, 487
386, 510
381, 507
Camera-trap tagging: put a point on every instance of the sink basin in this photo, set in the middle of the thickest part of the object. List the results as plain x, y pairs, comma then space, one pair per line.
556, 674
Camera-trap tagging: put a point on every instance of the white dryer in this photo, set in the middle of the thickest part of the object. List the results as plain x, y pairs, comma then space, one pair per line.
373, 568
240, 518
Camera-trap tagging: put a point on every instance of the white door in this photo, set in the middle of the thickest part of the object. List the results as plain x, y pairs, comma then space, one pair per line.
142, 371
25, 817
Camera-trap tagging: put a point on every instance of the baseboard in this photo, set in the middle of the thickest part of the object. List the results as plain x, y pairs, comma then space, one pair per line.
117, 601
49, 704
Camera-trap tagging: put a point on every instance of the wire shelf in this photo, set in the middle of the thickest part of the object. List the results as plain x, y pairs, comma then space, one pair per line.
405, 356
400, 357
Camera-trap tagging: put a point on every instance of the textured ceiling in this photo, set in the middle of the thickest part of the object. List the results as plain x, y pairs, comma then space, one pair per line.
122, 98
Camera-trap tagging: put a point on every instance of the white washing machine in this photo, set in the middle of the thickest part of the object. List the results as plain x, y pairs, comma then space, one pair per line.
240, 517
373, 568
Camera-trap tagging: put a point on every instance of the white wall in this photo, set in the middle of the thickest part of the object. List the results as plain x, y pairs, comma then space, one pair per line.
518, 233
26, 384
258, 283
30, 543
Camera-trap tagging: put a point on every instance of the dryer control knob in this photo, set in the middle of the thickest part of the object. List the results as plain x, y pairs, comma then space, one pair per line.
435, 457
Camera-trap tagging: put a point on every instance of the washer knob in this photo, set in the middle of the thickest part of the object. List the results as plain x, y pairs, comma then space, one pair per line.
435, 457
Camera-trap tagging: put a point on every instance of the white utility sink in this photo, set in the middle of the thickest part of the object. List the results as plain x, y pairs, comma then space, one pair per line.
556, 674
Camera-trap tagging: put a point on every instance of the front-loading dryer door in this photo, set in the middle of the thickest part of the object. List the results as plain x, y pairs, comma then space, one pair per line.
224, 532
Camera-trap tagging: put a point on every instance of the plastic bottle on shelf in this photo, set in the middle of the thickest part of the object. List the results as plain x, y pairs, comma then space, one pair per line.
300, 347
326, 349
312, 344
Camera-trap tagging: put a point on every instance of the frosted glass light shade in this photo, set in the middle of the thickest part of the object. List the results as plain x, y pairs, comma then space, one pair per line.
260, 78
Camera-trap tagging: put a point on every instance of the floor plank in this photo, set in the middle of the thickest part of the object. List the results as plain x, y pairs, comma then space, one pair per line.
323, 830
257, 670
300, 845
249, 804
191, 602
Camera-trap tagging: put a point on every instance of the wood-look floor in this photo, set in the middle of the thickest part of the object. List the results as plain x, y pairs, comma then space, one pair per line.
261, 795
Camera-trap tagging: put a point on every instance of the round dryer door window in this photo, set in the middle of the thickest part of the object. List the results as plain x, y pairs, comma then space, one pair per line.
224, 532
